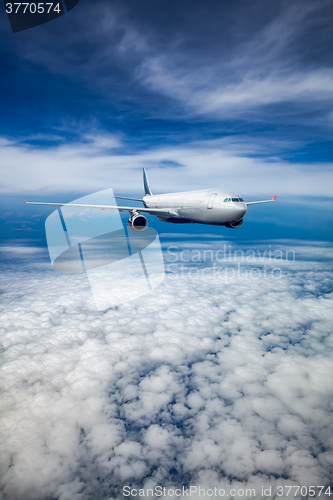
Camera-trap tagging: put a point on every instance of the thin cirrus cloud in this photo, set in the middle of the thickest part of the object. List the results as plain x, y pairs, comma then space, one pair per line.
98, 160
266, 69
242, 96
212, 382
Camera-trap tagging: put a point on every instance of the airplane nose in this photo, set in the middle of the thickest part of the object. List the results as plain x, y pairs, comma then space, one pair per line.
241, 209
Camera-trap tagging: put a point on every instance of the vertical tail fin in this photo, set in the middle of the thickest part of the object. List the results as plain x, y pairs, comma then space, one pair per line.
146, 183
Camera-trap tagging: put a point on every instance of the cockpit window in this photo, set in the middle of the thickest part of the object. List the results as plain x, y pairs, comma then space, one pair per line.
233, 199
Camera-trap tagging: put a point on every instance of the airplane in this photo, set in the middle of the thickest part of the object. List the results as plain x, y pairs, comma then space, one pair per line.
218, 207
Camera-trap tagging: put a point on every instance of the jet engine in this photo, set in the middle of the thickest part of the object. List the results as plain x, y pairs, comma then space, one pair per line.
234, 225
138, 222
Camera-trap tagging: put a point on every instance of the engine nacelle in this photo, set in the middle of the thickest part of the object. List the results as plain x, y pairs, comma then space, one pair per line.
138, 222
235, 225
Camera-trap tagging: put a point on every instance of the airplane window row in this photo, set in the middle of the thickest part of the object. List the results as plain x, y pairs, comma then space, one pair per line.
233, 199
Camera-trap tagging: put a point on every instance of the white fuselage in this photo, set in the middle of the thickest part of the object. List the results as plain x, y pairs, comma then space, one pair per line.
206, 206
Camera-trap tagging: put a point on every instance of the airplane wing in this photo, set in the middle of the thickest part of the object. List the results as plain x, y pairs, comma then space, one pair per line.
124, 198
152, 211
256, 202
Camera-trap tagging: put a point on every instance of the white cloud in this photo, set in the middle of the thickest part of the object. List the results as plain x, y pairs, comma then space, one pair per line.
205, 382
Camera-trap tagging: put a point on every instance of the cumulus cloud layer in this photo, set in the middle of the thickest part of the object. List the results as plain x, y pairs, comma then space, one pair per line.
207, 382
